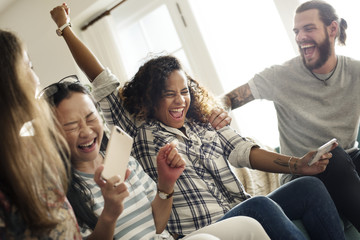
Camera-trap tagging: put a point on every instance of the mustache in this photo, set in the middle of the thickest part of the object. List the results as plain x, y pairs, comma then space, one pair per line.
306, 42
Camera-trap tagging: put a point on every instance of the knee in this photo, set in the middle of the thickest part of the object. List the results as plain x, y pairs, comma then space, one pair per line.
202, 236
245, 222
310, 185
340, 164
338, 151
261, 202
250, 228
258, 200
308, 182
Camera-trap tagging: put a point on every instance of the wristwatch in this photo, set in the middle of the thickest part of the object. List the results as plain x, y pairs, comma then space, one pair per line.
59, 31
164, 195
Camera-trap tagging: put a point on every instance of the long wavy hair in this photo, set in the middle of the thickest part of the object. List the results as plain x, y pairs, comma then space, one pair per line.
32, 165
143, 93
327, 15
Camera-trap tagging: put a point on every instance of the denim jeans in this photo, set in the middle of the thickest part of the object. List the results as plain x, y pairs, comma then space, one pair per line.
342, 180
305, 198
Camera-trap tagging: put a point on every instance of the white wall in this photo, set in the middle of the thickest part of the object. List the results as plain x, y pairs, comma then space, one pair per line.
32, 22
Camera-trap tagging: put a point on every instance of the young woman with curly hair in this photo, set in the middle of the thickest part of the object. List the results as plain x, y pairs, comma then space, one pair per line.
142, 95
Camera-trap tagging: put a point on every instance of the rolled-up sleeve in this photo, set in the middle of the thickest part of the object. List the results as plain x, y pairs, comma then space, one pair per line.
240, 156
106, 94
104, 84
239, 147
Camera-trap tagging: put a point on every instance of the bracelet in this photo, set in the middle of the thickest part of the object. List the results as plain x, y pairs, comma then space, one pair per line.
289, 165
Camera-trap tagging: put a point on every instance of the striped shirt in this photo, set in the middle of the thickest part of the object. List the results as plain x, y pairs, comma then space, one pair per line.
136, 221
207, 188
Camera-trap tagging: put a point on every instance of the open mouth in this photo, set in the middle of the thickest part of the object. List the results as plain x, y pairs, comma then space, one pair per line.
177, 113
308, 49
88, 146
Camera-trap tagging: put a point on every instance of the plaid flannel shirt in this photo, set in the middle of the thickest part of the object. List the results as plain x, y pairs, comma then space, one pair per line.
208, 188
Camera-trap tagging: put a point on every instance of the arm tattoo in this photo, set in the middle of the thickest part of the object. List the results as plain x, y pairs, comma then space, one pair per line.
281, 163
295, 165
287, 164
240, 96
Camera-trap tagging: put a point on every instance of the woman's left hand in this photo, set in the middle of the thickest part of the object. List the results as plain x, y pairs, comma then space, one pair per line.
300, 165
170, 166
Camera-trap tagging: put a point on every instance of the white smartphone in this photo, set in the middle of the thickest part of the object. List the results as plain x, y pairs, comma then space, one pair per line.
322, 150
117, 154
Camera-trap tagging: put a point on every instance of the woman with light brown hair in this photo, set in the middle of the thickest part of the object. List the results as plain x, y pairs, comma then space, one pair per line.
33, 177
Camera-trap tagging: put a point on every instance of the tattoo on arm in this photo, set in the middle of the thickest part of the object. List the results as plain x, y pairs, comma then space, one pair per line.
281, 163
240, 96
295, 165
287, 164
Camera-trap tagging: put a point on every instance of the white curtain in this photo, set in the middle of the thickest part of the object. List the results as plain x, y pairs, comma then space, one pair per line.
101, 39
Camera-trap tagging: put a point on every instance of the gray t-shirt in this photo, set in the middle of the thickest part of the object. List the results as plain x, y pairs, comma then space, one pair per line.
310, 112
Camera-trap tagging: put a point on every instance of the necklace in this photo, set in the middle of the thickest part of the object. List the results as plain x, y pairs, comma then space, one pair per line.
324, 80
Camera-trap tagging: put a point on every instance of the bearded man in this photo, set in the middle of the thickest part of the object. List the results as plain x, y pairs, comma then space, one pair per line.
317, 97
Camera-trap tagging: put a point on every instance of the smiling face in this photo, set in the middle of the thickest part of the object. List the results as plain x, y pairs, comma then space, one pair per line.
175, 101
83, 129
312, 38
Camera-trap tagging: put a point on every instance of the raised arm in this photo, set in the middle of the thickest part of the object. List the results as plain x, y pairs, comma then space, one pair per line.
84, 58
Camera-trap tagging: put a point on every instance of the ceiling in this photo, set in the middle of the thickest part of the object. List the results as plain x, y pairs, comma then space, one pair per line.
5, 3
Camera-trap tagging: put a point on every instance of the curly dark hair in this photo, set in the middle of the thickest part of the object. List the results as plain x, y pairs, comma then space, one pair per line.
143, 93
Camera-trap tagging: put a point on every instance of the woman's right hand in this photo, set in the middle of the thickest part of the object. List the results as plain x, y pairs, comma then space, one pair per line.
113, 194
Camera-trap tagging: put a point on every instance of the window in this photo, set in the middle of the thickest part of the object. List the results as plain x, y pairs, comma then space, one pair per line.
243, 39
153, 33
222, 43
163, 26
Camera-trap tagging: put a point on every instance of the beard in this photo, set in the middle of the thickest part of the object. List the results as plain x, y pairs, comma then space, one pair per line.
324, 54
